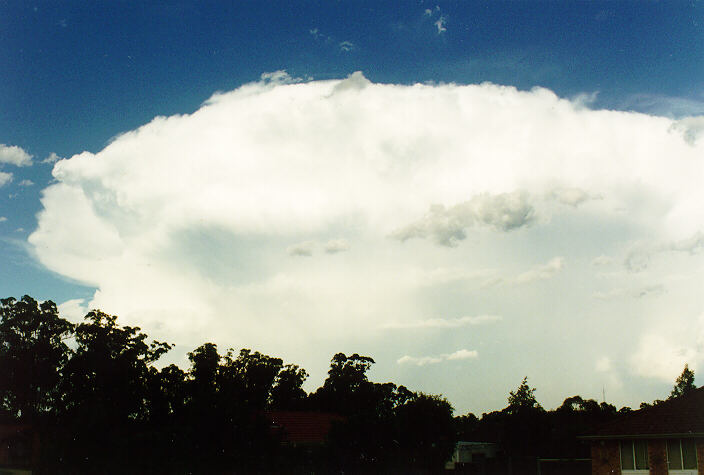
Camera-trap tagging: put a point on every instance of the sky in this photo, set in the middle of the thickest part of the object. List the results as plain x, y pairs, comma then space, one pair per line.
468, 192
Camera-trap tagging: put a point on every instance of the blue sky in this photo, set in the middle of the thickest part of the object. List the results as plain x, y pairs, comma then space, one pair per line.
77, 76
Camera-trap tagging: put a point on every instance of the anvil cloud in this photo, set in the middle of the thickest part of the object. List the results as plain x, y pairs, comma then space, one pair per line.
304, 218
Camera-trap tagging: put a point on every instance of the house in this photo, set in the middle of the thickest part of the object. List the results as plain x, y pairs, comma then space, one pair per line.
667, 438
301, 428
472, 456
19, 449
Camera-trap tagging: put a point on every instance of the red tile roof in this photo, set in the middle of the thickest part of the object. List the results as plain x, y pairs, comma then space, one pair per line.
681, 417
299, 427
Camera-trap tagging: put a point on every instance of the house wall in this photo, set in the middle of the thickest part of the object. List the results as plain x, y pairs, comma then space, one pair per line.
657, 457
606, 458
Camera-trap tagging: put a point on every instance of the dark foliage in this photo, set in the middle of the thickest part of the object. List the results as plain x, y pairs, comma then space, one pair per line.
99, 405
684, 383
33, 353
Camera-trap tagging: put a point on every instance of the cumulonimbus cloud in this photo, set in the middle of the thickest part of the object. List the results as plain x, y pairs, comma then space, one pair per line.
189, 225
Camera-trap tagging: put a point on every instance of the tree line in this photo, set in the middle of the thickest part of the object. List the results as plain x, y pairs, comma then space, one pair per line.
98, 403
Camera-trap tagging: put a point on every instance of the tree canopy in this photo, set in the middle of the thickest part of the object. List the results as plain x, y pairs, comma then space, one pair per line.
33, 352
100, 404
684, 383
523, 398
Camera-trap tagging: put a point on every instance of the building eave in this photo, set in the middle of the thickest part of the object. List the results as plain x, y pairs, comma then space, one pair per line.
686, 435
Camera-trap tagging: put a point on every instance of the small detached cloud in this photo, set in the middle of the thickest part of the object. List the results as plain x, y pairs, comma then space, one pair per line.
346, 46
541, 272
447, 226
5, 178
571, 196
3, 219
14, 155
279, 77
602, 260
52, 158
640, 292
462, 354
419, 360
302, 249
447, 323
26, 183
306, 248
337, 245
440, 19
440, 24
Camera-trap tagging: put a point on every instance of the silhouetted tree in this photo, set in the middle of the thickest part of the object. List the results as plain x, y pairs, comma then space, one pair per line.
523, 398
32, 355
684, 383
425, 431
346, 387
228, 395
168, 394
288, 393
249, 378
106, 392
203, 377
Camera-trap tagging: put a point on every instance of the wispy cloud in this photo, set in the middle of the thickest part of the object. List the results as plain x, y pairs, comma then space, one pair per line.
440, 19
440, 24
426, 360
279, 77
447, 322
638, 292
571, 196
346, 46
541, 272
26, 183
302, 249
670, 106
638, 259
602, 260
334, 246
52, 158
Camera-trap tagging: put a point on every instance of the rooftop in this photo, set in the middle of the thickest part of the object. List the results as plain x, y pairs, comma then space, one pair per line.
679, 417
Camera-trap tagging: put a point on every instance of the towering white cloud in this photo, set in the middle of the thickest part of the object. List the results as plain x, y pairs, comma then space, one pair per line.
193, 226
